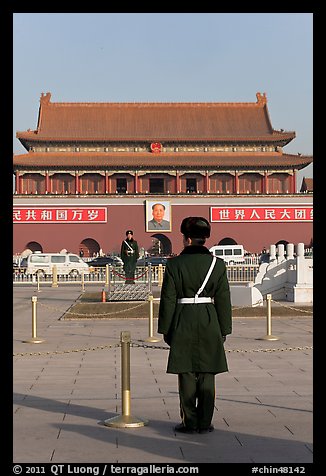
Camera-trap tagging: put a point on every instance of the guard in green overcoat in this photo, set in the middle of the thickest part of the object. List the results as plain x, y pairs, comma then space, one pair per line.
195, 316
129, 254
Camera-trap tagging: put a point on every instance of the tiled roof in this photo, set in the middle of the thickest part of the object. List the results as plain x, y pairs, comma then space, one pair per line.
154, 122
307, 185
148, 160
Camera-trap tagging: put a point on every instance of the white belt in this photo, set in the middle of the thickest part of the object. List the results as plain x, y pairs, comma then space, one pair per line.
196, 300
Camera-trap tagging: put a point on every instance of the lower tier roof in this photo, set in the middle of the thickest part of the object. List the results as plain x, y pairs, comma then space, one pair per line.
137, 160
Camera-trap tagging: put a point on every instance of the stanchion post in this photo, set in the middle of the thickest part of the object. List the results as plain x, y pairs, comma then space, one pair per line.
125, 420
38, 281
269, 335
34, 339
54, 277
83, 281
149, 273
109, 280
160, 275
107, 275
151, 337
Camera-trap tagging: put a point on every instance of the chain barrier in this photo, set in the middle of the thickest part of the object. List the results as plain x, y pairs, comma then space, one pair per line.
281, 349
133, 344
293, 308
124, 277
156, 299
234, 308
156, 347
92, 315
70, 351
261, 301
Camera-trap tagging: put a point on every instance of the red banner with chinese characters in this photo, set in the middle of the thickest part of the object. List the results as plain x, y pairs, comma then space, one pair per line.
59, 215
262, 214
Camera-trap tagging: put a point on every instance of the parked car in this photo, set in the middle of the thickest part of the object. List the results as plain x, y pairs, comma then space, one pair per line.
66, 264
231, 254
153, 260
102, 261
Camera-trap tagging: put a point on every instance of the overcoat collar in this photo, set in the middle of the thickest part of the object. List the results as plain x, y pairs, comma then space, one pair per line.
195, 249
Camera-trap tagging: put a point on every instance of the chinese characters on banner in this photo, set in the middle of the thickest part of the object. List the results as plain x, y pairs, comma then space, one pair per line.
60, 215
261, 214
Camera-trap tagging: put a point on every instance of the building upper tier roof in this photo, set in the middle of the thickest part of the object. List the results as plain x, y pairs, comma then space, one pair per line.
205, 121
137, 160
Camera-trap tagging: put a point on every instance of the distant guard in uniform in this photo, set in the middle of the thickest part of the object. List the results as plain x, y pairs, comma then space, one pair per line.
195, 315
129, 255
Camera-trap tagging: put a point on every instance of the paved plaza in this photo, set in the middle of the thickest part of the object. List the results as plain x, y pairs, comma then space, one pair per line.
67, 386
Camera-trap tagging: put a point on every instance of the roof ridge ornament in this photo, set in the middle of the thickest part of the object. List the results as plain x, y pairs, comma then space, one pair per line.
261, 98
45, 98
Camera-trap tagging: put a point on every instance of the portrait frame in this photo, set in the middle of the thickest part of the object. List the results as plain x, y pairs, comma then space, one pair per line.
150, 224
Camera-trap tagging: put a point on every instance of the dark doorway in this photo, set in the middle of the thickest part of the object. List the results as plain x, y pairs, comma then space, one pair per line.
89, 248
227, 241
156, 185
282, 242
34, 246
165, 246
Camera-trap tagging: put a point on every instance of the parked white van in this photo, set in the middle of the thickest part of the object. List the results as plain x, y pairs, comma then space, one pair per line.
66, 263
231, 254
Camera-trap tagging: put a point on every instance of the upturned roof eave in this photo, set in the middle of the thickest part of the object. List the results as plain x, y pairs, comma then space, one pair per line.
35, 137
163, 162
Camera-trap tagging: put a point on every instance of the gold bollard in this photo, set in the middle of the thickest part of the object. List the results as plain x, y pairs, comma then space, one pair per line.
125, 420
107, 275
38, 281
151, 337
160, 275
109, 281
34, 339
83, 281
54, 277
269, 335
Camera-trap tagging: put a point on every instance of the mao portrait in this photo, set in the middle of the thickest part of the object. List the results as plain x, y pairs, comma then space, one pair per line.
158, 216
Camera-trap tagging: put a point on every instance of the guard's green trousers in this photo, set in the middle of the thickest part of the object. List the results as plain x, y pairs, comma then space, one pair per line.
129, 267
197, 398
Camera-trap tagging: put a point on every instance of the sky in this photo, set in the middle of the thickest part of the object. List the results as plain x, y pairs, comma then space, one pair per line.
167, 57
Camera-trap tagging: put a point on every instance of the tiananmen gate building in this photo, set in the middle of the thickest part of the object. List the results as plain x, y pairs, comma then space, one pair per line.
94, 170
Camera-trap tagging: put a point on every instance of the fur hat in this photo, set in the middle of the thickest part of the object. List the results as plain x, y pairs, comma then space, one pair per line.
129, 231
195, 227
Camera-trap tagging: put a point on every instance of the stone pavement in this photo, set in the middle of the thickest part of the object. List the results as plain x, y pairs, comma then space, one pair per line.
68, 385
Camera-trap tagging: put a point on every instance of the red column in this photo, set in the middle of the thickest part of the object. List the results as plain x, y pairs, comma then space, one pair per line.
17, 183
236, 182
294, 180
47, 183
178, 181
136, 182
266, 182
106, 182
207, 182
77, 183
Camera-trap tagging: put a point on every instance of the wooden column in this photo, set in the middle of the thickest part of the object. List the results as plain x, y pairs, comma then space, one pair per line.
236, 182
107, 185
207, 182
17, 183
265, 188
77, 185
177, 176
136, 182
294, 179
47, 182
